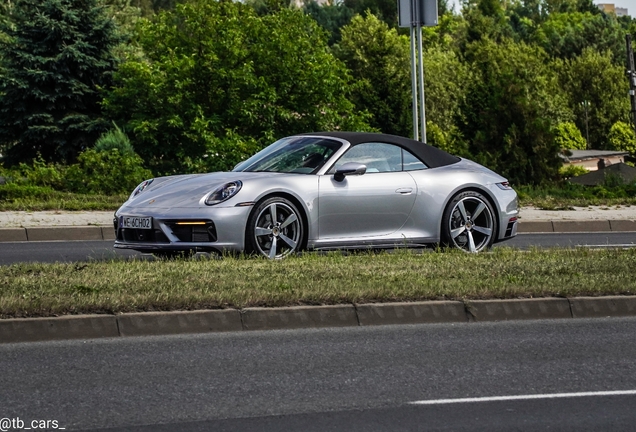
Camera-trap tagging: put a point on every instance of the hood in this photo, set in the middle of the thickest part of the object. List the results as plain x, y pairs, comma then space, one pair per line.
187, 190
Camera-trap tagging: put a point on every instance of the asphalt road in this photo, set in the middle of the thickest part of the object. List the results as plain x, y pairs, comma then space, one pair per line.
350, 379
72, 251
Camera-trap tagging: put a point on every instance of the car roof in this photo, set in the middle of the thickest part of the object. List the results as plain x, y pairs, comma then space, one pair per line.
431, 156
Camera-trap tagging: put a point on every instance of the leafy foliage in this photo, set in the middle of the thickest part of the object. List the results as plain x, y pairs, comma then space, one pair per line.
622, 137
567, 171
105, 172
331, 17
115, 139
568, 136
597, 91
54, 64
566, 35
510, 131
97, 172
217, 73
379, 61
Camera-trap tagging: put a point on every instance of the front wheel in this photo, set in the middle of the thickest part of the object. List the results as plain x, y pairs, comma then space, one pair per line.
468, 222
275, 228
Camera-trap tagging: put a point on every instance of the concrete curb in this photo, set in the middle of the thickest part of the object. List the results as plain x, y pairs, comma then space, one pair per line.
411, 313
70, 233
299, 317
347, 315
57, 233
568, 226
521, 309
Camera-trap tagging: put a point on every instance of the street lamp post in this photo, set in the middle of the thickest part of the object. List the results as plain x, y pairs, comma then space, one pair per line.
586, 105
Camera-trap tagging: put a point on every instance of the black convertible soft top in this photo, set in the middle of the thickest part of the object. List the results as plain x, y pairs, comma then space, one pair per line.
431, 156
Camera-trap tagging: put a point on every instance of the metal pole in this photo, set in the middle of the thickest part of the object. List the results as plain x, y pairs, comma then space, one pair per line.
631, 75
587, 128
414, 82
421, 77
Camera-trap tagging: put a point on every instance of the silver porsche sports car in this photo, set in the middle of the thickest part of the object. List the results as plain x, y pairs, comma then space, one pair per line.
328, 190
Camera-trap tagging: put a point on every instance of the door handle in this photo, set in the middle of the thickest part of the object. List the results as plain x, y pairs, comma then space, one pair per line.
404, 191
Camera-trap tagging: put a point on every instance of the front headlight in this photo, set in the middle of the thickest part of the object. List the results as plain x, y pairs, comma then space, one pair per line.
224, 193
139, 189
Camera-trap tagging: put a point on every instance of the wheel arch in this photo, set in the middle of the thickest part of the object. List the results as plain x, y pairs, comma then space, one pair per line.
299, 205
485, 192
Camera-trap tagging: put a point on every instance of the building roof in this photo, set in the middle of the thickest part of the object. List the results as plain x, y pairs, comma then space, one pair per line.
578, 155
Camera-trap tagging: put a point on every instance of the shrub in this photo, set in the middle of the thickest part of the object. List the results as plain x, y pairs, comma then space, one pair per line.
42, 174
106, 172
568, 171
13, 191
569, 137
115, 139
622, 138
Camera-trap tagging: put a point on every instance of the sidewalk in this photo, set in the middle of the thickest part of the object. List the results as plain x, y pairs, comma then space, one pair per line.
65, 225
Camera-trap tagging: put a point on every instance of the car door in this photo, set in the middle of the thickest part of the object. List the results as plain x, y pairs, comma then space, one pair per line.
376, 203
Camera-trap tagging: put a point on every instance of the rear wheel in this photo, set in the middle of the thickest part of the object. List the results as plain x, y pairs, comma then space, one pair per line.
275, 228
468, 222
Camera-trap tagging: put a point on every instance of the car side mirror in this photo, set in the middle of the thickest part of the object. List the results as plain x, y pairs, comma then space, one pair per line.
349, 168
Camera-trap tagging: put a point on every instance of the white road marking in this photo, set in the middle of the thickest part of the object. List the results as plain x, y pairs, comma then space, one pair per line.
524, 397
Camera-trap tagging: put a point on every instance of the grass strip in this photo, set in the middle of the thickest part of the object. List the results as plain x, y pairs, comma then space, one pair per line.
311, 279
556, 197
566, 196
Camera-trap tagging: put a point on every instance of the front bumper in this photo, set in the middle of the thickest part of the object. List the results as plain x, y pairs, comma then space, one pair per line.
208, 229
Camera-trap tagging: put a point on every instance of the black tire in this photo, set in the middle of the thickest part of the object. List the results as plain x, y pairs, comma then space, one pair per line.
275, 229
469, 222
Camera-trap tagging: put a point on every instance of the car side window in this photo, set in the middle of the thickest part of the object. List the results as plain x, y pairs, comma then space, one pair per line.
378, 157
410, 162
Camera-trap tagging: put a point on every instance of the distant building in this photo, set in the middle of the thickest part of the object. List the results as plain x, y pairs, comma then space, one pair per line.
611, 8
592, 160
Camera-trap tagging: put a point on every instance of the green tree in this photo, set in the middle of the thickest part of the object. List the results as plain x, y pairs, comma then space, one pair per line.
510, 110
568, 137
622, 137
331, 17
594, 84
379, 60
385, 10
485, 19
446, 83
219, 78
124, 13
55, 63
566, 35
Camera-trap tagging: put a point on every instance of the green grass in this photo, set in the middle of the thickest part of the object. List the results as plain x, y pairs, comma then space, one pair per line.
311, 279
34, 198
566, 196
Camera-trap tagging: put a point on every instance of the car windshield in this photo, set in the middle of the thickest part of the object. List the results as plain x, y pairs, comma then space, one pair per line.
303, 155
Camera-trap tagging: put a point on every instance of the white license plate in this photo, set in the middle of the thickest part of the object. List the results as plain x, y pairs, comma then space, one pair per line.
136, 222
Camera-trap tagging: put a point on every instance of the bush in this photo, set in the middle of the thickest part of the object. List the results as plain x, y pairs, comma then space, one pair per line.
568, 171
569, 137
13, 191
115, 139
97, 172
39, 173
106, 172
622, 138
